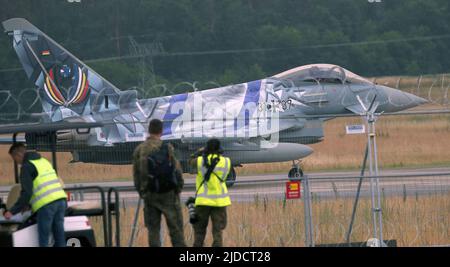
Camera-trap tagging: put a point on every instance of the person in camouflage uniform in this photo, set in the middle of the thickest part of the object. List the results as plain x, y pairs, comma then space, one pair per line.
156, 204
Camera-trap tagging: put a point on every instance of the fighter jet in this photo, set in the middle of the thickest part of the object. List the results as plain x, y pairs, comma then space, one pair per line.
267, 120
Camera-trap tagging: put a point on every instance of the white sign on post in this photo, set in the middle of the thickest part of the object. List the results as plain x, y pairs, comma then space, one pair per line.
355, 129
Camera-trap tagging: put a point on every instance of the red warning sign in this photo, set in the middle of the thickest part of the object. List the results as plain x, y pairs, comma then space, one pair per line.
293, 190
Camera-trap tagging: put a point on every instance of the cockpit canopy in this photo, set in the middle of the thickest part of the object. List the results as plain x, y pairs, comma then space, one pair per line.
322, 73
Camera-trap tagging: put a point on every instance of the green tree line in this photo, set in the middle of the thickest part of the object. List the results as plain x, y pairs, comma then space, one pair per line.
140, 43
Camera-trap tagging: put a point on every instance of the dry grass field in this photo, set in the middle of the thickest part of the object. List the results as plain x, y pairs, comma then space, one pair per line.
414, 221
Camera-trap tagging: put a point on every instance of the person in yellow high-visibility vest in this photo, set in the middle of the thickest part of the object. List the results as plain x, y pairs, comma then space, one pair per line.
42, 190
212, 193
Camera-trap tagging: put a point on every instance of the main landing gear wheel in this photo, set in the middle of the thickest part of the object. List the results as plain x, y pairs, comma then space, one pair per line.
296, 172
231, 178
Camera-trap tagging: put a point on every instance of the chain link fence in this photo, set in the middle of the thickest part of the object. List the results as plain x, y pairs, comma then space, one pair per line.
415, 211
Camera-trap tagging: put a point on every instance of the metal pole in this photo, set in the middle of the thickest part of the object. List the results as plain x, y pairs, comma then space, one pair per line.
16, 173
161, 234
374, 180
81, 193
311, 225
16, 167
76, 194
53, 148
372, 193
136, 217
309, 237
377, 186
358, 191
305, 213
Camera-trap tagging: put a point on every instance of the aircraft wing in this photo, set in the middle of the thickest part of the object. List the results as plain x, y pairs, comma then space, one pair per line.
46, 127
356, 108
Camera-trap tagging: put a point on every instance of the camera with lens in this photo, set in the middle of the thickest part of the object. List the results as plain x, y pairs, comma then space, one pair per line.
190, 204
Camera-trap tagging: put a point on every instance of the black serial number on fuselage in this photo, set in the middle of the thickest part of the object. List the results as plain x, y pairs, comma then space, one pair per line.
275, 105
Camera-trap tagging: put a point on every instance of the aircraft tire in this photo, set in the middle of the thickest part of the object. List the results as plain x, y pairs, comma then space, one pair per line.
295, 173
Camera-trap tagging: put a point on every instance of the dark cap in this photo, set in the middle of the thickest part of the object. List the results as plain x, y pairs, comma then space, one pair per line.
213, 146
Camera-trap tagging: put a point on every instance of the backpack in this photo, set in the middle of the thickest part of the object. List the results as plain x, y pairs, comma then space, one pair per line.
161, 171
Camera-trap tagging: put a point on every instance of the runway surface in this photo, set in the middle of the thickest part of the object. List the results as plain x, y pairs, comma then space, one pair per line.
324, 185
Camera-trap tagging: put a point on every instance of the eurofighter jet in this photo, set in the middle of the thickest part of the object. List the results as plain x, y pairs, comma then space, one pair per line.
267, 120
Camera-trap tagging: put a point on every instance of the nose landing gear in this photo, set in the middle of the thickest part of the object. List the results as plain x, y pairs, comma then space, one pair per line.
296, 172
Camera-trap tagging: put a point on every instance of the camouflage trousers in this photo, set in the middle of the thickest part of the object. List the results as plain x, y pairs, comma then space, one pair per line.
219, 222
167, 204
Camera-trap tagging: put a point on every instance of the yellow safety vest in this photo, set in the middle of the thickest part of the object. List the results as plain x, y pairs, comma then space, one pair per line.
213, 193
46, 185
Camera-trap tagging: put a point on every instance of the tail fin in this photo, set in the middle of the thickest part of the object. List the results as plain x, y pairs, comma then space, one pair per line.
63, 80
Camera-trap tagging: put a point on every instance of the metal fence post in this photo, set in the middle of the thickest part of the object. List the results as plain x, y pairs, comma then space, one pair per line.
77, 194
358, 191
161, 235
309, 232
81, 193
136, 217
374, 179
134, 227
377, 188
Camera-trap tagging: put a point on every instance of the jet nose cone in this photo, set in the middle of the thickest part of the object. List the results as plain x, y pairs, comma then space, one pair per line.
295, 151
417, 99
397, 100
307, 151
